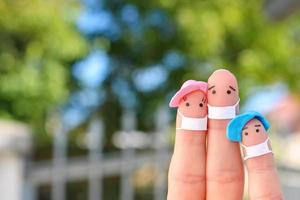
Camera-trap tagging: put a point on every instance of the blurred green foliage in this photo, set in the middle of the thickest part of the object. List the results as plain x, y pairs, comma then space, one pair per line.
38, 43
238, 35
233, 34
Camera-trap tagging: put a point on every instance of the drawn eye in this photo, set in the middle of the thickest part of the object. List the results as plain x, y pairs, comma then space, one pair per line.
187, 104
246, 133
228, 92
213, 91
257, 130
201, 104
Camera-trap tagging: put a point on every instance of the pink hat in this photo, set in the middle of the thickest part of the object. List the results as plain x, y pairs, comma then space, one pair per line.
187, 87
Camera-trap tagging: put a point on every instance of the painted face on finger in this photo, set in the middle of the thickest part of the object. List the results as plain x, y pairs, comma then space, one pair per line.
193, 105
253, 133
193, 112
255, 141
250, 129
223, 95
222, 88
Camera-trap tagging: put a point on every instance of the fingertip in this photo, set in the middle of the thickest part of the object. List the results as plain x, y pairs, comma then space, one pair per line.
222, 73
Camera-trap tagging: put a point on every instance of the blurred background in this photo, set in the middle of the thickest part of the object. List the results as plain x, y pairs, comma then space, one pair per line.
85, 86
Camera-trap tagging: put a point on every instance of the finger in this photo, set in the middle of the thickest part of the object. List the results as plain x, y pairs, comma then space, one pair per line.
263, 179
187, 168
224, 173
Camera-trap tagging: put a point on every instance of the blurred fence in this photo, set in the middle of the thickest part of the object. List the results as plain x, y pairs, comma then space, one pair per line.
290, 179
96, 166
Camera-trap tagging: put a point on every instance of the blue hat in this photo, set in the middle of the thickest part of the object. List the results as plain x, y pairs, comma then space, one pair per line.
235, 126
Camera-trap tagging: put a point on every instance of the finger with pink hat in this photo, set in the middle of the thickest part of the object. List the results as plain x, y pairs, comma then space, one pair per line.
187, 168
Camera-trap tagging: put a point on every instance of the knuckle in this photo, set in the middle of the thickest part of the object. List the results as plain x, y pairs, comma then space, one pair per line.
187, 178
261, 168
226, 176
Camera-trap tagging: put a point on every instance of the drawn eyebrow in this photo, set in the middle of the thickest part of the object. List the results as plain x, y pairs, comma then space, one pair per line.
244, 128
257, 125
211, 87
231, 87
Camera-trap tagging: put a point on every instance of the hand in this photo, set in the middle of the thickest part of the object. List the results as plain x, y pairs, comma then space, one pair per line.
206, 164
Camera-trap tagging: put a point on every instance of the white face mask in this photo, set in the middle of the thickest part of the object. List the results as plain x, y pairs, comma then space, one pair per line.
194, 124
256, 150
226, 112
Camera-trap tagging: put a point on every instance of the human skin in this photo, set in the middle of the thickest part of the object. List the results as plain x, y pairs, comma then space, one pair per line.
187, 168
263, 179
225, 172
224, 168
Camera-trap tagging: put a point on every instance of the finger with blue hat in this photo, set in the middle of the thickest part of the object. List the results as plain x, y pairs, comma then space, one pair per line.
250, 130
237, 124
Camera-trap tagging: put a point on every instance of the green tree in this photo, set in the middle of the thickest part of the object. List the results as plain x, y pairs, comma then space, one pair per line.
238, 35
177, 40
206, 35
38, 44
